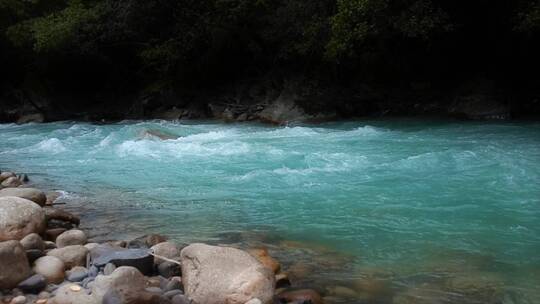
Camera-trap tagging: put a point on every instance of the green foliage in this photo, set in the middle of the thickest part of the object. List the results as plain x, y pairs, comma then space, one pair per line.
57, 31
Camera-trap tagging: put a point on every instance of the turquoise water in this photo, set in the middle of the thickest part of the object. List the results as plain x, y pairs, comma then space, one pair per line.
400, 211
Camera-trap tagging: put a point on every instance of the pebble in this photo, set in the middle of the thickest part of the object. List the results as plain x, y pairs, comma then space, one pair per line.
33, 284
44, 295
18, 300
41, 301
77, 276
75, 288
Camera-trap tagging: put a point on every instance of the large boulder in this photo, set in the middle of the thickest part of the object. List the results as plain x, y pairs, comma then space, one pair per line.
224, 275
73, 255
19, 217
14, 266
50, 267
71, 237
126, 283
35, 195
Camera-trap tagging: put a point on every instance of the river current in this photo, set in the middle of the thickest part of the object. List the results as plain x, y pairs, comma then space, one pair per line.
375, 211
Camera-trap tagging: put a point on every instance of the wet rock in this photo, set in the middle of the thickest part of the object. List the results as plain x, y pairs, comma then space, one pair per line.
261, 254
19, 217
146, 241
52, 197
33, 117
282, 281
300, 296
138, 258
73, 255
169, 269
35, 195
33, 254
165, 249
52, 234
215, 275
71, 237
11, 182
61, 215
51, 268
93, 271
14, 266
341, 292
77, 274
34, 284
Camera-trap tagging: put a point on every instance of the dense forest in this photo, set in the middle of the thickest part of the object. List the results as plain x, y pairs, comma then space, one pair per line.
351, 57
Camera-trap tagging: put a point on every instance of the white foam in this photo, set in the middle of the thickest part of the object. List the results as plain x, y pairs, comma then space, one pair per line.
51, 145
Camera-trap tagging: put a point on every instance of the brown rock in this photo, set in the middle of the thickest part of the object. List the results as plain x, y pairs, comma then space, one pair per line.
35, 195
300, 296
71, 237
61, 215
14, 266
52, 234
261, 254
50, 267
19, 217
74, 255
11, 182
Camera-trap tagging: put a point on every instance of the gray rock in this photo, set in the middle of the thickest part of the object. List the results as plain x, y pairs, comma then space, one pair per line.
34, 254
71, 237
172, 285
77, 274
215, 275
50, 267
111, 297
34, 284
171, 293
74, 255
169, 269
93, 271
18, 300
19, 217
180, 299
14, 266
33, 241
109, 268
254, 301
138, 258
154, 290
35, 195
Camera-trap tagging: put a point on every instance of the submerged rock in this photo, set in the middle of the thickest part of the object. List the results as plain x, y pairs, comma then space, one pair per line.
261, 254
216, 275
5, 175
19, 217
35, 195
14, 266
61, 215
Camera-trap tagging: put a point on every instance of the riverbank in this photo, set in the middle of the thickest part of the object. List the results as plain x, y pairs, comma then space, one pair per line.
45, 258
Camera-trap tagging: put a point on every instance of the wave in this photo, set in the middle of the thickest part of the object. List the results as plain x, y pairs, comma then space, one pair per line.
51, 145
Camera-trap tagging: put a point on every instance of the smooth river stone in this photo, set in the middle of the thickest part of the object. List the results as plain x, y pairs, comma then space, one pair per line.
35, 195
19, 217
138, 258
14, 265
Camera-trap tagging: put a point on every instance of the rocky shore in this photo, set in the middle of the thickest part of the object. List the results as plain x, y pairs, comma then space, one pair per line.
45, 258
